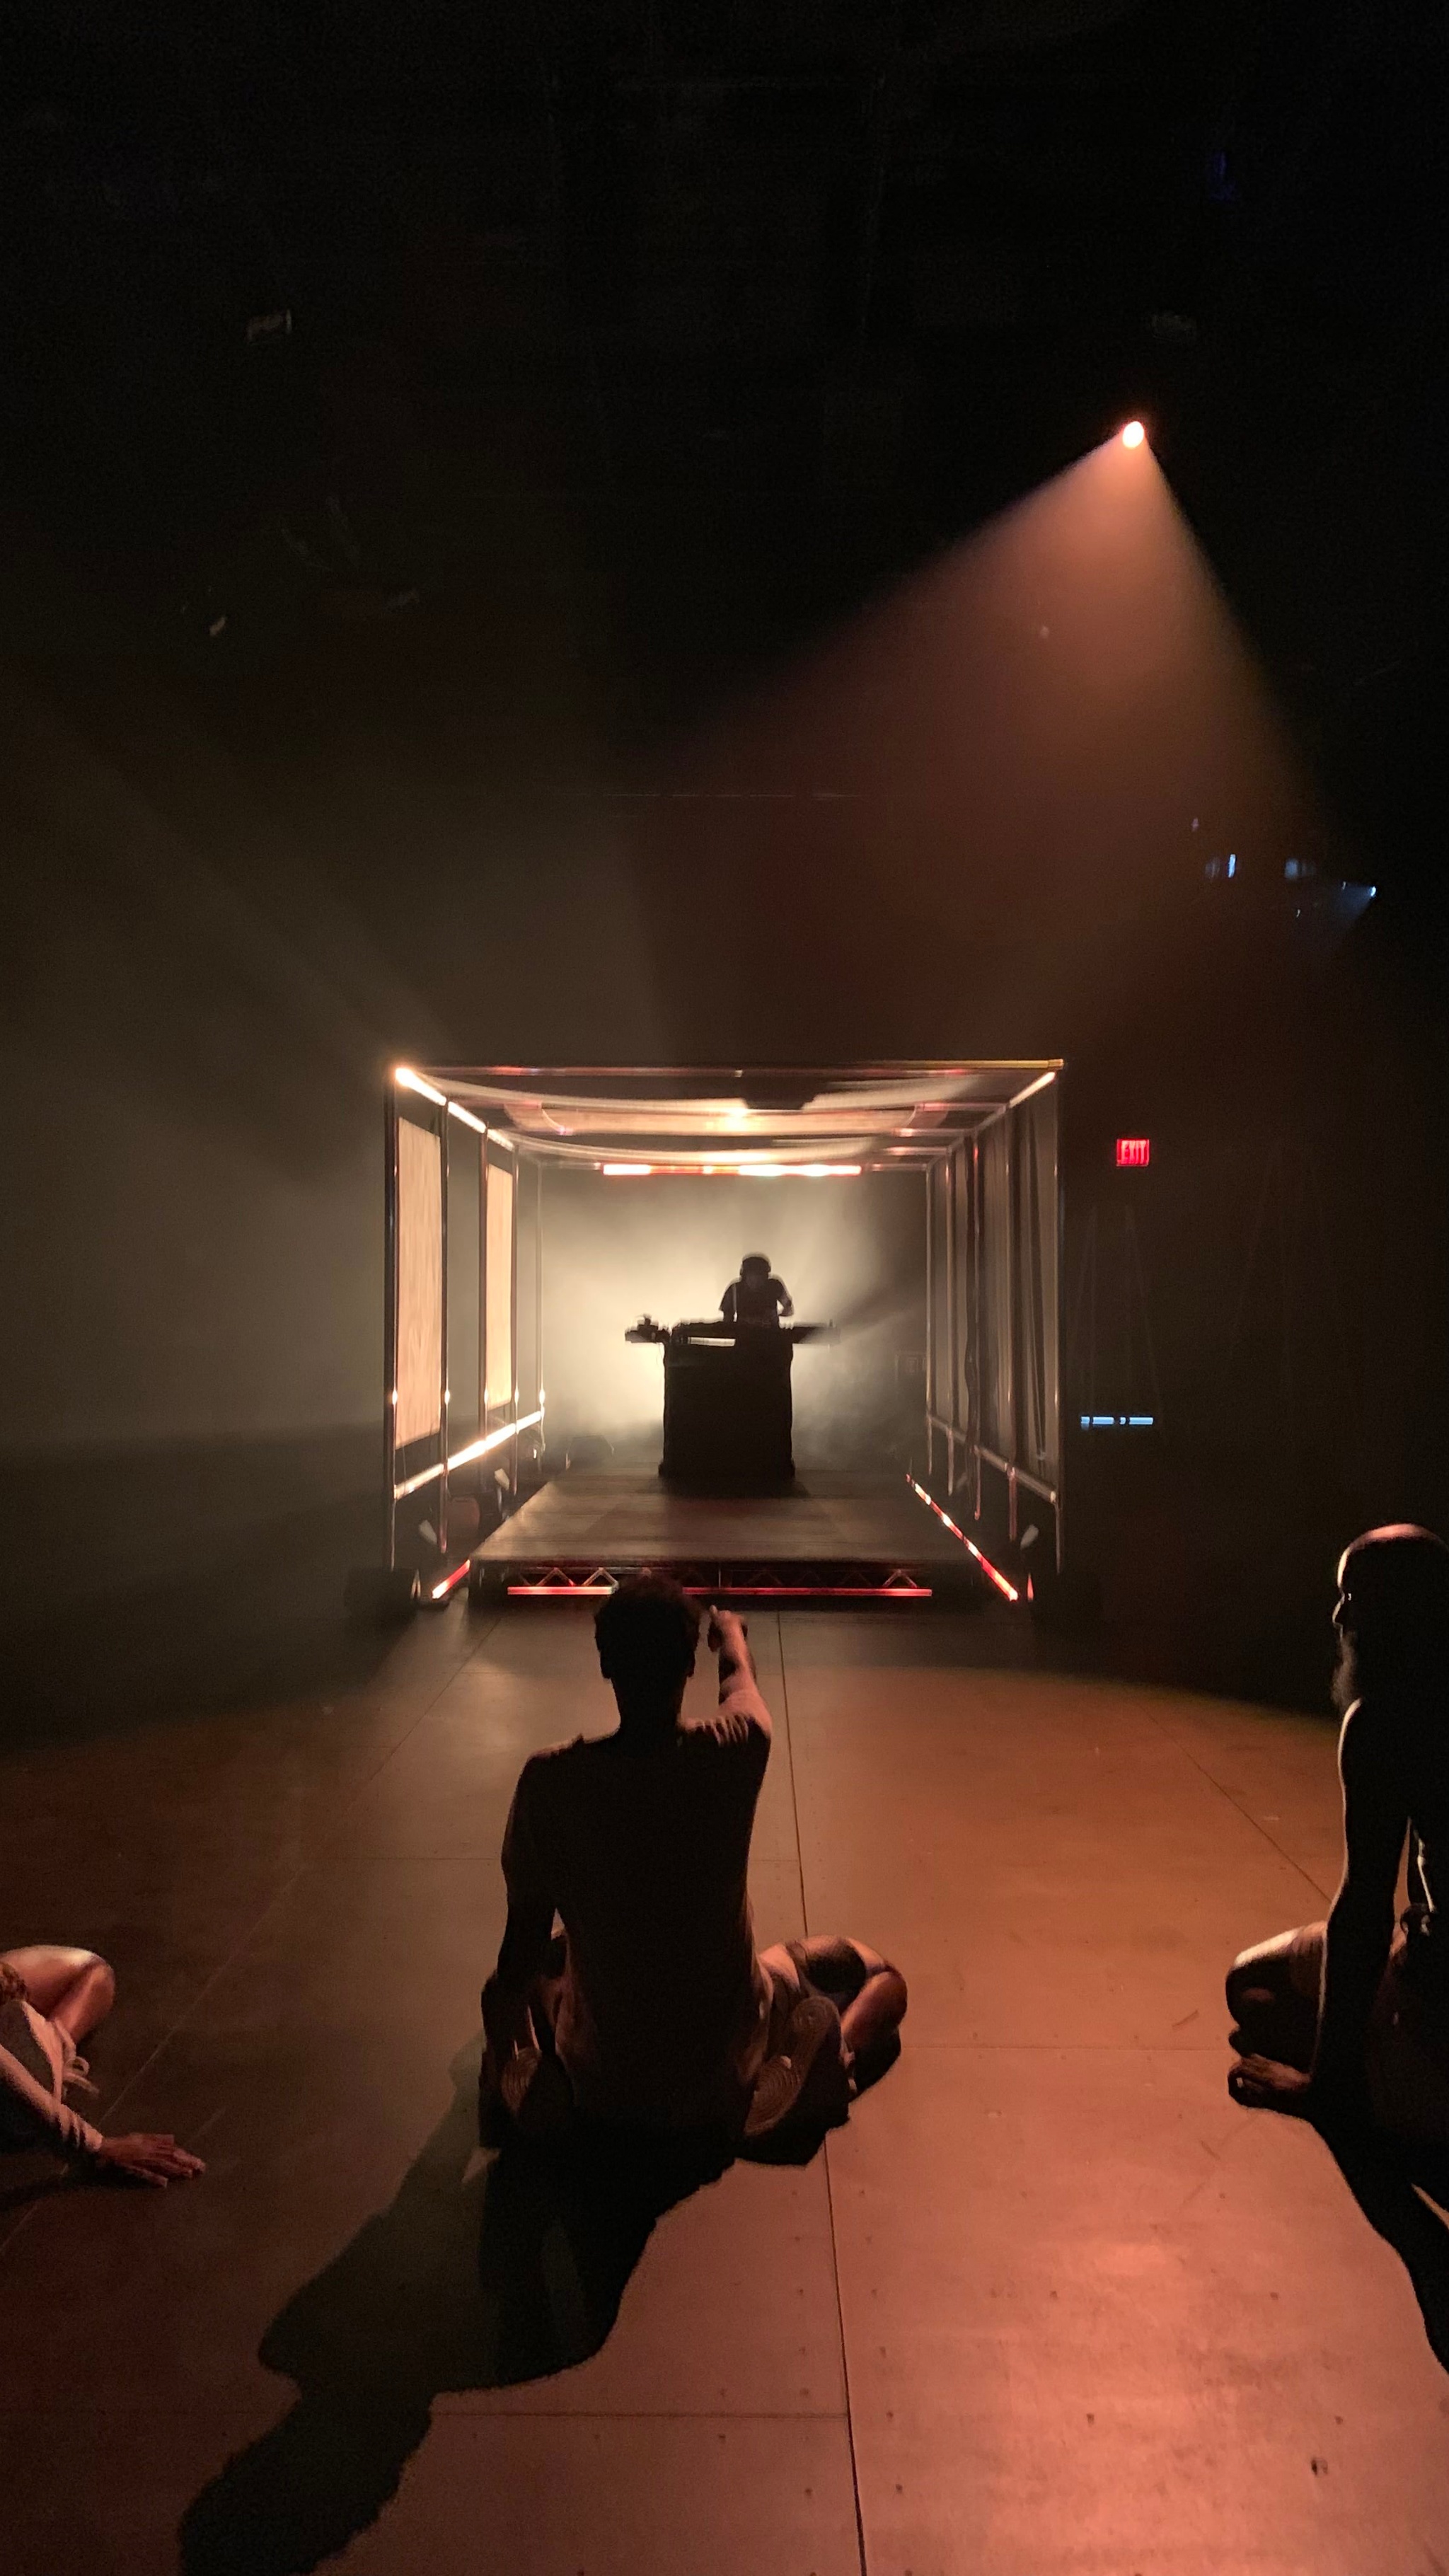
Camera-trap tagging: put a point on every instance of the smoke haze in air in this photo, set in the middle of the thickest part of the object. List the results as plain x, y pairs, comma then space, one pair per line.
851, 1252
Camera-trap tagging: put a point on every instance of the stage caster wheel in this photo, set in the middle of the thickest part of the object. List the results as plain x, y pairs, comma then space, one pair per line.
381, 1596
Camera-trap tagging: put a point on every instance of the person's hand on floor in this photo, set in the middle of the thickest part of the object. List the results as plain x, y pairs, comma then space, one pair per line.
1261, 2084
142, 2157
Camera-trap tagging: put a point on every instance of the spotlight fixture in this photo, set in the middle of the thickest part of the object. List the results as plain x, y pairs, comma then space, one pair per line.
1134, 434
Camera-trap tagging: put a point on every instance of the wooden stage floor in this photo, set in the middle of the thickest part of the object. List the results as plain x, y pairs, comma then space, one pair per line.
827, 1520
1050, 2305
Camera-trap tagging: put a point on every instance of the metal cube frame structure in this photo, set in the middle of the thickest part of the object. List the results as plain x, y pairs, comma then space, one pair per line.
984, 1135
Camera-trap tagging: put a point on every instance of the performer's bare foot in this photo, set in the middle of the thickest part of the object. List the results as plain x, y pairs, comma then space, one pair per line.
807, 2079
1261, 2084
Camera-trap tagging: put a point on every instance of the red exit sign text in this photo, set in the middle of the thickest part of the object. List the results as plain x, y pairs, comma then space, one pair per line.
1134, 1153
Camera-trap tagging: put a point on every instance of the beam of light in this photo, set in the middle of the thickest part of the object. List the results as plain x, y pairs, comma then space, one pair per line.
456, 1110
1133, 434
450, 1582
1007, 1590
1032, 1089
625, 1171
1124, 660
410, 1081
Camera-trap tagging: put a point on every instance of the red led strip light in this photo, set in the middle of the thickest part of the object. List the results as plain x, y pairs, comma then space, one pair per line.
450, 1582
1007, 1590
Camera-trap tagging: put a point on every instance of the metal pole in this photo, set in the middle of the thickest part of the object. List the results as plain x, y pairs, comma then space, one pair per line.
929, 1320
1059, 1463
389, 1320
953, 1339
975, 1357
444, 1389
1009, 1195
538, 1297
483, 1283
513, 1324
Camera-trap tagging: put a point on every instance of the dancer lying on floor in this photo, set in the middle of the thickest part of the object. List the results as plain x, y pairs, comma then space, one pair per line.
50, 2000
1348, 2020
652, 2006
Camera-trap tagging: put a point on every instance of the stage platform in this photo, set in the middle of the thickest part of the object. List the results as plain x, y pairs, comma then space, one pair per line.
830, 1536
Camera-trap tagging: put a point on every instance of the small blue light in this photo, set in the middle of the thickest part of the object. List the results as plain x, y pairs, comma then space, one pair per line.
1140, 1421
1232, 863
1086, 1422
1104, 1421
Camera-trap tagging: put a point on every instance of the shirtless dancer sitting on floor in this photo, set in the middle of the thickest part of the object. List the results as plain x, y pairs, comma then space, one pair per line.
1348, 2020
652, 2006
50, 2000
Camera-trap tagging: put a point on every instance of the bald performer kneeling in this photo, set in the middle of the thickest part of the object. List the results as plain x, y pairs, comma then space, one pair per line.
1348, 2020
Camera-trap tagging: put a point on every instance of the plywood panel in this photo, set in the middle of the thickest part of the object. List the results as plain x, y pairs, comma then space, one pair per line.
419, 1283
499, 1287
465, 1281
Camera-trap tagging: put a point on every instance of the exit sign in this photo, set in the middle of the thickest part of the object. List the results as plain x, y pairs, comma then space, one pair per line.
1134, 1153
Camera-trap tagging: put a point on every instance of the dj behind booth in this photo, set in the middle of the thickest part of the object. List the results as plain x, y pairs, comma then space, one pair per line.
728, 1415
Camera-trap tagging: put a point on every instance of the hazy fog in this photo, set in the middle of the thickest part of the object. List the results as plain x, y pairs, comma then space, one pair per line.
849, 1251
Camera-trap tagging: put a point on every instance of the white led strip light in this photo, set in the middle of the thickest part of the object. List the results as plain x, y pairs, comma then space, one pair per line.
465, 1457
411, 1081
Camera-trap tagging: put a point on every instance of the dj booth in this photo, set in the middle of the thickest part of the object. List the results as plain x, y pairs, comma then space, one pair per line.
727, 1400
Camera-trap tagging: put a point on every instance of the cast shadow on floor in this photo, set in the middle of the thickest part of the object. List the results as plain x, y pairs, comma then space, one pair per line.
1396, 2187
482, 2273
